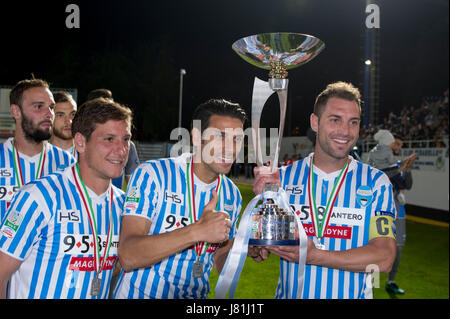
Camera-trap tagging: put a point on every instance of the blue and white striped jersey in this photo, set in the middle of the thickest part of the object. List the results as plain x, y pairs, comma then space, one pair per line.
365, 192
47, 228
157, 191
56, 159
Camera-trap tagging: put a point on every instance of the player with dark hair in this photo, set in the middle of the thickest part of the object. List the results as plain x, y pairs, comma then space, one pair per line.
180, 213
133, 158
65, 109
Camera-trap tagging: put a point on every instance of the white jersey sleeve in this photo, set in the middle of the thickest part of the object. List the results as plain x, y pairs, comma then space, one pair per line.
48, 228
143, 192
24, 223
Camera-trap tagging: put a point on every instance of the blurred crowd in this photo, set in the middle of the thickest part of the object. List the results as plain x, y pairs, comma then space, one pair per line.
427, 123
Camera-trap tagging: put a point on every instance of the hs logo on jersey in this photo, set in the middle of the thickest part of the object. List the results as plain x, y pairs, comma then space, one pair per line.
174, 198
5, 172
68, 216
294, 190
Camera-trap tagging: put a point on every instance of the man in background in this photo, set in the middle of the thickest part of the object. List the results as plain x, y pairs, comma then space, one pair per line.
383, 156
28, 156
65, 109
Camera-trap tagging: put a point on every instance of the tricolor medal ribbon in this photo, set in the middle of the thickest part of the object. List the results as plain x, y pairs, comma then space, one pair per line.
18, 169
200, 247
320, 228
86, 200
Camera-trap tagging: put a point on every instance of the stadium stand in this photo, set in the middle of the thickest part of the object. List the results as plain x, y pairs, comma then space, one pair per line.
423, 126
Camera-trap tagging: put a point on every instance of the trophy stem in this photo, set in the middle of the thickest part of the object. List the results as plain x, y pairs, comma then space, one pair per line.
261, 92
282, 96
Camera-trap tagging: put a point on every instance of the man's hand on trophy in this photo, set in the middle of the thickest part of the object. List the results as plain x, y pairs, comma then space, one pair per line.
214, 225
290, 253
263, 176
258, 253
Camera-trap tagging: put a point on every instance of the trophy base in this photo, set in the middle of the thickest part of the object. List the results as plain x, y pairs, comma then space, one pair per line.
273, 242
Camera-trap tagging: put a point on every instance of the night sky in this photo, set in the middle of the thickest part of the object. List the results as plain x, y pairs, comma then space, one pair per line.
137, 48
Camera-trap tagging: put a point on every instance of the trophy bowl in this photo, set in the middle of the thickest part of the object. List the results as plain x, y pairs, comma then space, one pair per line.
292, 49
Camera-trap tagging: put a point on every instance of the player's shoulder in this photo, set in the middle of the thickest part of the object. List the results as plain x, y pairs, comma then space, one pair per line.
153, 164
54, 150
6, 145
49, 181
230, 182
2, 146
367, 167
231, 188
377, 176
45, 191
293, 167
154, 171
118, 193
160, 165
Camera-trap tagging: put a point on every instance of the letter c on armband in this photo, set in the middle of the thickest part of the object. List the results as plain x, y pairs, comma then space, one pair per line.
382, 226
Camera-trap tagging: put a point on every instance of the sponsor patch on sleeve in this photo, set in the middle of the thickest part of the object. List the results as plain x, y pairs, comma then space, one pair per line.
132, 200
12, 224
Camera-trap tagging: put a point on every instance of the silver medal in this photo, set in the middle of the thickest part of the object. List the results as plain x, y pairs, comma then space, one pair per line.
320, 246
96, 286
317, 243
197, 269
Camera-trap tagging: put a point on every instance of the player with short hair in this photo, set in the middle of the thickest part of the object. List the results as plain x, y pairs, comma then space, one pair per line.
65, 109
133, 157
180, 213
346, 207
28, 156
59, 239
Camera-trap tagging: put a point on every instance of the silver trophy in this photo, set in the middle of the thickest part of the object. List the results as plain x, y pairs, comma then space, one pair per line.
273, 222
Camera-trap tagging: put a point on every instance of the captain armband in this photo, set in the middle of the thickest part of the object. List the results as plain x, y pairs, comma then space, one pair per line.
382, 225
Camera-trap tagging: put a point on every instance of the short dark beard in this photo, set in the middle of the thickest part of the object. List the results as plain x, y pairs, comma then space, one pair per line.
60, 135
34, 134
